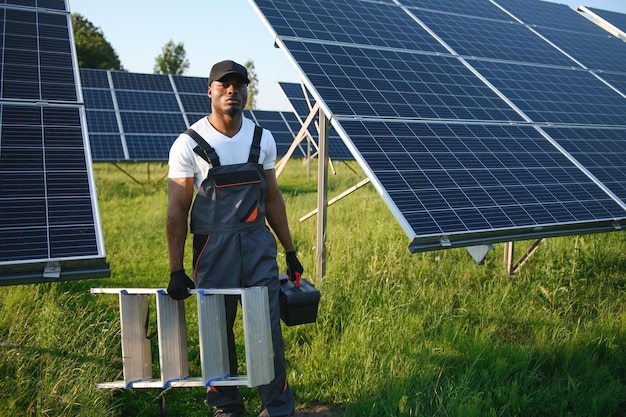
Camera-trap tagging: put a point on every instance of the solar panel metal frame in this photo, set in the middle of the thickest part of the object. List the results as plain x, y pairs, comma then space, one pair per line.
612, 22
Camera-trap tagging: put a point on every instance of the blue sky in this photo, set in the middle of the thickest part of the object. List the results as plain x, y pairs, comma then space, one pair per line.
211, 30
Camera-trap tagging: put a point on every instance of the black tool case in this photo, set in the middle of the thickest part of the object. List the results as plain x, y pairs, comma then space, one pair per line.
298, 304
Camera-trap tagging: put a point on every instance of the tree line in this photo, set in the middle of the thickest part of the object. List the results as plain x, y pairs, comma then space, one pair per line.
94, 51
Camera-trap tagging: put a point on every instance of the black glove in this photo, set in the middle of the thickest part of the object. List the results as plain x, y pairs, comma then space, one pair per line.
179, 283
293, 266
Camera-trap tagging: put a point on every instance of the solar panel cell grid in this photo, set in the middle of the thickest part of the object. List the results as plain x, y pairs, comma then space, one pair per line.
405, 84
494, 173
151, 112
97, 99
93, 78
25, 243
72, 241
601, 151
147, 101
46, 197
556, 95
102, 121
197, 85
479, 8
357, 22
52, 4
618, 81
275, 122
593, 51
196, 103
60, 148
140, 82
549, 14
145, 123
28, 3
192, 117
143, 147
492, 39
106, 147
302, 104
46, 4
37, 61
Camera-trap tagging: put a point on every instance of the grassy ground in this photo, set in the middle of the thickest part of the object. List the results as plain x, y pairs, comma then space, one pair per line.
398, 334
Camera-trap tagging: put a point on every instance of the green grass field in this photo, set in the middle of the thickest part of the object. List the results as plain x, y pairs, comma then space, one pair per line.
398, 334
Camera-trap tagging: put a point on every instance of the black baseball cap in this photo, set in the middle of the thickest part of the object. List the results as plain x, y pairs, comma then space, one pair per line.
224, 68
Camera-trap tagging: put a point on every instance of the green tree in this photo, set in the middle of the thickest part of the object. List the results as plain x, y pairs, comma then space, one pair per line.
173, 59
253, 89
92, 49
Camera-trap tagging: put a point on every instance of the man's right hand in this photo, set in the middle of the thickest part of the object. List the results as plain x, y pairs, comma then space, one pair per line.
179, 284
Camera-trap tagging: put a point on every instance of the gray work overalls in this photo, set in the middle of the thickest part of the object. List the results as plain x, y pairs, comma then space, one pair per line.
233, 248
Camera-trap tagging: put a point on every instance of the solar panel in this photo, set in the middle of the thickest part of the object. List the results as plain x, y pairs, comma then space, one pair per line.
123, 80
192, 92
302, 103
275, 122
94, 78
37, 63
479, 143
44, 4
616, 80
102, 118
195, 103
549, 14
191, 85
390, 83
476, 180
570, 31
556, 95
298, 97
49, 225
597, 52
352, 22
505, 40
150, 115
137, 117
147, 101
477, 8
601, 151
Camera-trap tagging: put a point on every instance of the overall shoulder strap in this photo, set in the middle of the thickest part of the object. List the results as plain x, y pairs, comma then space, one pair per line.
204, 150
255, 149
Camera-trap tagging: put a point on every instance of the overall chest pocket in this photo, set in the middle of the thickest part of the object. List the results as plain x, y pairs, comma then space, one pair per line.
238, 195
237, 178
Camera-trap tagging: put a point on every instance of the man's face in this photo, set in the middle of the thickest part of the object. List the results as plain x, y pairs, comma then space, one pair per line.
229, 95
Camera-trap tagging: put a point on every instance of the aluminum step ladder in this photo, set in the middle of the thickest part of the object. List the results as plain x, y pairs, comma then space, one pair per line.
172, 338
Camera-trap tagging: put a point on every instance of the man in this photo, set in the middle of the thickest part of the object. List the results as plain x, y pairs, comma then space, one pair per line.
230, 165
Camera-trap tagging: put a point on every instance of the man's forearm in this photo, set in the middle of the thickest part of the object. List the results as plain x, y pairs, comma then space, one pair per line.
277, 218
176, 237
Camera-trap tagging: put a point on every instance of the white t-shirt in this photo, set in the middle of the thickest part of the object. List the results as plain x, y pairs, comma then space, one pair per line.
184, 162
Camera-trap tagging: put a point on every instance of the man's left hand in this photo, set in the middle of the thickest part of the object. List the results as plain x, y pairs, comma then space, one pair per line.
293, 266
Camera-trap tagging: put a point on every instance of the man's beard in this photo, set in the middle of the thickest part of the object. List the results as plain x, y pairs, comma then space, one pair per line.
233, 111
